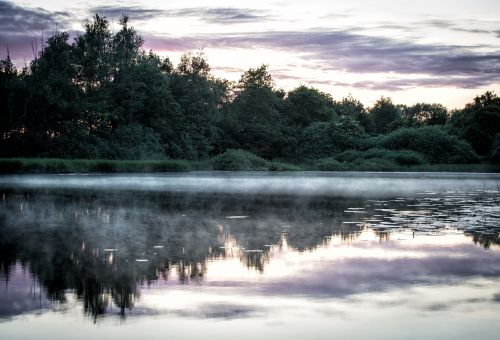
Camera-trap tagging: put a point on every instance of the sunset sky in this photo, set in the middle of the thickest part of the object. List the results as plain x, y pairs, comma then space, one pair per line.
444, 51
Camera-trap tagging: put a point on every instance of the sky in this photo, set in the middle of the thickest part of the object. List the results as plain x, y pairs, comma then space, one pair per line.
445, 51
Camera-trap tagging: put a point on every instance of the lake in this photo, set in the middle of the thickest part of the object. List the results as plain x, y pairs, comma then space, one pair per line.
305, 255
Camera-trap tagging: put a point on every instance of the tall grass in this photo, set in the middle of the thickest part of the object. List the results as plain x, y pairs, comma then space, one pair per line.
53, 165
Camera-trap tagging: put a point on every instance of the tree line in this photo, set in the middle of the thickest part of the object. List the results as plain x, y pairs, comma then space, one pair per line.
102, 96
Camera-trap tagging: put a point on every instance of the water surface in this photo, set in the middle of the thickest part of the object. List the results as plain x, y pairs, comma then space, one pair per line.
308, 255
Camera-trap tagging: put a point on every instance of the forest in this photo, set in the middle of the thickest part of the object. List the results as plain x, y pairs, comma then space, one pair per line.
101, 96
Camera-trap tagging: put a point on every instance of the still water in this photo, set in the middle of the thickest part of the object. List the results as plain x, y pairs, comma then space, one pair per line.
250, 255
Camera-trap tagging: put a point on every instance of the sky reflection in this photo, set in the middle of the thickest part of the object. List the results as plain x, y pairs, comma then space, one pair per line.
185, 257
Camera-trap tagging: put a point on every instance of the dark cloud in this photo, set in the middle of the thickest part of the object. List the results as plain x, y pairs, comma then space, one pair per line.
22, 26
134, 12
207, 14
345, 50
451, 25
224, 15
15, 19
401, 84
461, 66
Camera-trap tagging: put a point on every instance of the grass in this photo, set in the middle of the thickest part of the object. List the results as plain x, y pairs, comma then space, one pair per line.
53, 165
233, 163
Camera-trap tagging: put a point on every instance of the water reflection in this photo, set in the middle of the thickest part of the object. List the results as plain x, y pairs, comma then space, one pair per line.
144, 253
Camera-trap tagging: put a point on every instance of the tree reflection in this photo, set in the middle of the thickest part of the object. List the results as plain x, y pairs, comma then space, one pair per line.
105, 246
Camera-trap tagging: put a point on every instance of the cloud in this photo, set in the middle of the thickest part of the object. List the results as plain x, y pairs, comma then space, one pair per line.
16, 19
348, 50
134, 12
20, 26
207, 14
451, 25
224, 15
444, 65
404, 83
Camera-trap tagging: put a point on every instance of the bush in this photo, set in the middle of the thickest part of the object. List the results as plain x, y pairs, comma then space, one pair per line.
103, 166
435, 144
135, 142
240, 160
237, 160
495, 150
8, 166
77, 142
170, 166
50, 165
406, 157
329, 164
278, 166
321, 140
401, 157
350, 156
373, 164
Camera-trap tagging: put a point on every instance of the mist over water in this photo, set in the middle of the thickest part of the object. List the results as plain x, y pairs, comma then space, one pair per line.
350, 184
83, 256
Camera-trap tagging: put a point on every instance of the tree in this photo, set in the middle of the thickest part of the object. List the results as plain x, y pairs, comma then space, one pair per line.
305, 105
432, 141
424, 114
9, 83
478, 122
324, 139
351, 107
197, 93
52, 97
258, 123
93, 57
386, 115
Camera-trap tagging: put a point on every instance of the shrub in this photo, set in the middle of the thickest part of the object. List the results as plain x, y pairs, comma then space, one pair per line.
278, 166
76, 142
434, 143
8, 166
321, 140
170, 166
237, 160
103, 166
401, 157
495, 150
329, 164
373, 164
136, 142
350, 155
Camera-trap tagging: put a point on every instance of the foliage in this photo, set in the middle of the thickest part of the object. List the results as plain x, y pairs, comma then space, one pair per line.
423, 114
134, 142
351, 107
329, 164
326, 139
386, 116
254, 112
478, 122
102, 96
400, 157
495, 150
433, 142
373, 164
305, 105
50, 165
237, 159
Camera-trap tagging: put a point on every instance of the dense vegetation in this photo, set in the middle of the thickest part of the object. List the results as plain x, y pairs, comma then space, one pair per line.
101, 96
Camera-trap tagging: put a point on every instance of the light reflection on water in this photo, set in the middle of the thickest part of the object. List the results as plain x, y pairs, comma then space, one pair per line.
264, 265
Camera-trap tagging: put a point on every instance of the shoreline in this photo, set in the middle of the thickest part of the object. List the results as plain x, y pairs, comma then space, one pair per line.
96, 166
